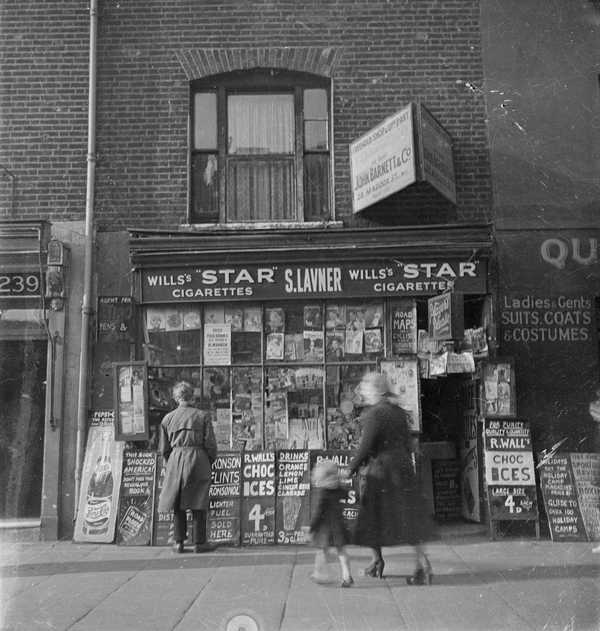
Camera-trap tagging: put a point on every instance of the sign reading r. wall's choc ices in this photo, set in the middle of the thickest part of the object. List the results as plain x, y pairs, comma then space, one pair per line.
267, 282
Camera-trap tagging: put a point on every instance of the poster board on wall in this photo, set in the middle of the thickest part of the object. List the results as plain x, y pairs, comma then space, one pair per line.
403, 375
499, 388
131, 400
100, 482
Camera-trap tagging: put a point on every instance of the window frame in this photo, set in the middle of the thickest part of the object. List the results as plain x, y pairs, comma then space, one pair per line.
259, 81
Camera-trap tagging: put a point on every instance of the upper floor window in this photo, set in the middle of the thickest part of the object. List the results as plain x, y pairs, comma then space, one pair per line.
260, 148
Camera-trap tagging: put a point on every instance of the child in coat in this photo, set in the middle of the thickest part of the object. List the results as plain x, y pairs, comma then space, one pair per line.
327, 526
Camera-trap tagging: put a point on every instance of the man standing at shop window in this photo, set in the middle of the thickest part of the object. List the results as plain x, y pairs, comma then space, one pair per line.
188, 446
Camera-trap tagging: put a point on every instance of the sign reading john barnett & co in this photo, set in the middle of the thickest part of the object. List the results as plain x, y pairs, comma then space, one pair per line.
407, 147
267, 282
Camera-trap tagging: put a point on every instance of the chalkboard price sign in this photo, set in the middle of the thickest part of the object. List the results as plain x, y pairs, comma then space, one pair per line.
258, 498
293, 495
224, 499
134, 523
560, 498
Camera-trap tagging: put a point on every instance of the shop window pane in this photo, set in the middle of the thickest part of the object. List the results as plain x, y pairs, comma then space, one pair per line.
205, 188
344, 405
316, 187
294, 411
205, 120
172, 335
217, 395
315, 104
22, 398
294, 333
246, 333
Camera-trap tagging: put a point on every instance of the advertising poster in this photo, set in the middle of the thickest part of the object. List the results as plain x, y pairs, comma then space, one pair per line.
224, 500
509, 469
382, 161
293, 495
258, 498
100, 482
403, 375
342, 459
586, 472
404, 327
217, 344
560, 499
446, 489
469, 469
499, 389
136, 502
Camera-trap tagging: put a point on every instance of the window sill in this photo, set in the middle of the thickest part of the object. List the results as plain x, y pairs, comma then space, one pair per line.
267, 225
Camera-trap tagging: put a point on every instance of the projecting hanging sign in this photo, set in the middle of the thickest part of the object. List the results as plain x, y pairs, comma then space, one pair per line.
360, 279
405, 148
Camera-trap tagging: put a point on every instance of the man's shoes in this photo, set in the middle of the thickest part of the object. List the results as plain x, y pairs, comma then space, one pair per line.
178, 547
204, 547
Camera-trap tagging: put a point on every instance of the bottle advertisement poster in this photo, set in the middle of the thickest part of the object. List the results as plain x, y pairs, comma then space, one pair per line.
100, 482
293, 495
136, 502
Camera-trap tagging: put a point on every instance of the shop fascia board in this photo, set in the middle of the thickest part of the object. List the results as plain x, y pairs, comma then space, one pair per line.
153, 248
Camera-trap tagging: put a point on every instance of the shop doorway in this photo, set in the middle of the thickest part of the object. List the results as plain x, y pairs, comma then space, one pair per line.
22, 396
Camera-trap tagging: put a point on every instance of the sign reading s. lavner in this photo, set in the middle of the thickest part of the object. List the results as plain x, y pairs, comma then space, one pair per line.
267, 282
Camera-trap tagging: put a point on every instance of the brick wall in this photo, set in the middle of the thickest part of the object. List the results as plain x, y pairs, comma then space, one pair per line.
388, 53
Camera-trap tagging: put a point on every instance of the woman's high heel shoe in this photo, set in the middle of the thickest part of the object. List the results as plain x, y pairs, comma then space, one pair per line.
375, 569
421, 576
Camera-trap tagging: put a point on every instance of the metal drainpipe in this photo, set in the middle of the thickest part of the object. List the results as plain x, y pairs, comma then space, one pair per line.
86, 307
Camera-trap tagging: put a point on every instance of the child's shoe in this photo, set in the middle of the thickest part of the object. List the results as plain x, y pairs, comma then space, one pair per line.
347, 582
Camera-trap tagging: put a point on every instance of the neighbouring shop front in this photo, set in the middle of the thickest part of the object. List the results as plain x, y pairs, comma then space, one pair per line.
275, 331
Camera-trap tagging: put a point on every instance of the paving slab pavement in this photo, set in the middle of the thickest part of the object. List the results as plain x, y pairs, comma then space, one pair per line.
479, 585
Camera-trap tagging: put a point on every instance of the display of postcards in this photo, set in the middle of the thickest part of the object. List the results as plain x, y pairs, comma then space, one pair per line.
222, 427
355, 318
234, 316
309, 378
335, 345
426, 345
282, 379
174, 320
335, 317
373, 316
276, 417
313, 320
313, 346
252, 319
242, 402
354, 341
246, 348
156, 319
274, 320
214, 314
476, 341
275, 346
294, 347
306, 433
245, 431
191, 319
217, 389
373, 342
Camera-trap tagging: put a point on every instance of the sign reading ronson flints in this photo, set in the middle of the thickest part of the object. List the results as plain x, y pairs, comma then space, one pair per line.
407, 147
267, 282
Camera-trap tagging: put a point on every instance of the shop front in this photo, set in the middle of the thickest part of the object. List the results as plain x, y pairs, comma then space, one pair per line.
276, 331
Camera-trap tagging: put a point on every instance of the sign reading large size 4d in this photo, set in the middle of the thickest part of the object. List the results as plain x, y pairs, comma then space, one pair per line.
407, 147
391, 277
509, 469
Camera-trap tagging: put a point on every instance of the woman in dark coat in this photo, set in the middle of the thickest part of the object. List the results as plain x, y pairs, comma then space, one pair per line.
391, 511
188, 445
